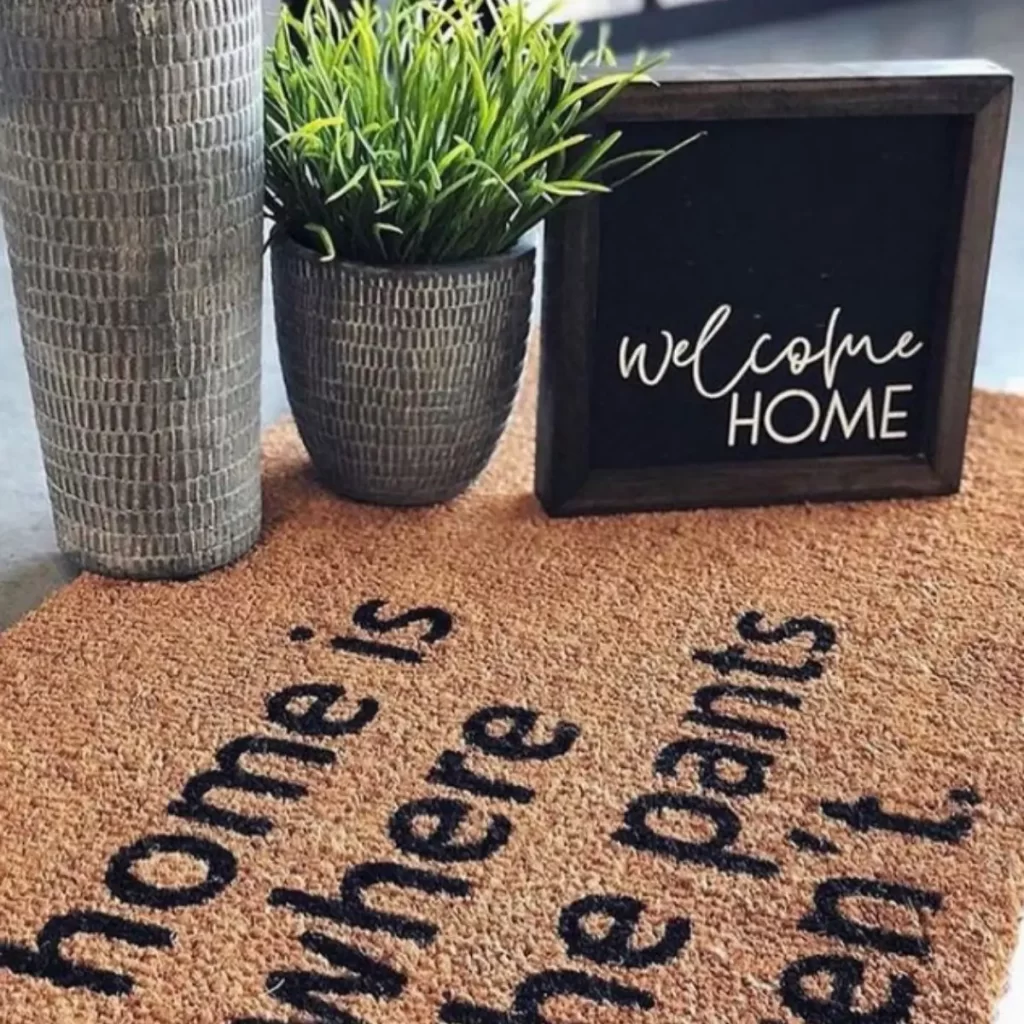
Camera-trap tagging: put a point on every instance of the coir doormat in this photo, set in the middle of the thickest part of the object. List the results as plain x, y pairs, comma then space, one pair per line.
467, 765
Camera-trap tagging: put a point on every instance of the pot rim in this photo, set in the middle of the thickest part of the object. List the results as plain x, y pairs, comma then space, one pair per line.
299, 251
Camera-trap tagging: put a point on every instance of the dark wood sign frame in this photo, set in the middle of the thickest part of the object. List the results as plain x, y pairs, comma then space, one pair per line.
977, 90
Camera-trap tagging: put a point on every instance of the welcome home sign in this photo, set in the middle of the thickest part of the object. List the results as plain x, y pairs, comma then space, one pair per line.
787, 309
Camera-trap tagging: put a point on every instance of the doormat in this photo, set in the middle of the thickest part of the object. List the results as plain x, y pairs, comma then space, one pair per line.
472, 766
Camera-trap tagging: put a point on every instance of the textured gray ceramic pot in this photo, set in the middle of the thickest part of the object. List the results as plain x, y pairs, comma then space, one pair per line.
131, 188
401, 379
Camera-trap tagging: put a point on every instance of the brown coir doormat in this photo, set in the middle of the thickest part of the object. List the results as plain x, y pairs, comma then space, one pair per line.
467, 765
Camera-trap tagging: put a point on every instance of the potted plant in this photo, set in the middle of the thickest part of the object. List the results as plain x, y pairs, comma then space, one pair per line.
409, 150
131, 185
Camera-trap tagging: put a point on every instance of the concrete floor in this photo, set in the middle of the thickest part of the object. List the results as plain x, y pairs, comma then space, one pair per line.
30, 566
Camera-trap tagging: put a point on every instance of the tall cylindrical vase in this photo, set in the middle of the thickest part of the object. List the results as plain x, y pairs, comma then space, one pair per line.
131, 188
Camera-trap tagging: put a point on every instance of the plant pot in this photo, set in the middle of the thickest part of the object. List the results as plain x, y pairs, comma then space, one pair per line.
401, 379
131, 169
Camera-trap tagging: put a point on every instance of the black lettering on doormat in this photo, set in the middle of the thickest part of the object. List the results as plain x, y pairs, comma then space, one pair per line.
616, 945
600, 928
824, 634
231, 775
445, 818
304, 708
351, 907
807, 842
845, 975
451, 771
707, 714
47, 961
218, 862
287, 708
512, 741
437, 622
734, 659
866, 814
430, 827
503, 732
828, 917
532, 993
363, 975
711, 757
715, 852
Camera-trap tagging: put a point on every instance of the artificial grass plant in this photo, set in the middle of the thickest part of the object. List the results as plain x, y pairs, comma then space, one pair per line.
431, 132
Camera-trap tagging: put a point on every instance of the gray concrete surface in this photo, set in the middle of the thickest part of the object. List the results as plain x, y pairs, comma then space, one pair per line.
30, 566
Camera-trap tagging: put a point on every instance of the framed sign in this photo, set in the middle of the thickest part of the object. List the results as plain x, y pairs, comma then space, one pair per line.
786, 310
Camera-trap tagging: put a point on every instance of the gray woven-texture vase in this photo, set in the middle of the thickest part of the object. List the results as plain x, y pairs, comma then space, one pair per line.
131, 188
401, 379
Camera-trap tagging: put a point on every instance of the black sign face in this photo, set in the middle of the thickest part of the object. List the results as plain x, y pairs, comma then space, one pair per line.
779, 297
781, 310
